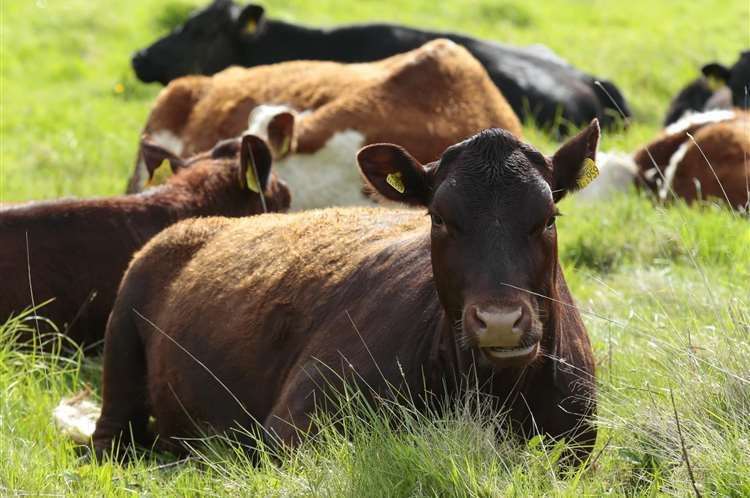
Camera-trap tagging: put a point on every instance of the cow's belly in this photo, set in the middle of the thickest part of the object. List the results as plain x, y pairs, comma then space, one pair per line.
328, 177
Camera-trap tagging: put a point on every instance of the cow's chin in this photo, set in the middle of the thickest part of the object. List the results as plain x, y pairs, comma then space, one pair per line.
511, 357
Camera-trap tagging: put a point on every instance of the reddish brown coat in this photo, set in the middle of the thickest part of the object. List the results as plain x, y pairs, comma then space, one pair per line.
263, 308
78, 250
716, 164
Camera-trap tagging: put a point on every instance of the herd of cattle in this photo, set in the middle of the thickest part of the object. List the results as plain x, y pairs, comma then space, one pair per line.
211, 317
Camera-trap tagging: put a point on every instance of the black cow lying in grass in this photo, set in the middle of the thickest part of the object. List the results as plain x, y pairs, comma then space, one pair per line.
536, 82
720, 87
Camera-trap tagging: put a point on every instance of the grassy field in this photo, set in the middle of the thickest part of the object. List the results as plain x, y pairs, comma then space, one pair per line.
663, 290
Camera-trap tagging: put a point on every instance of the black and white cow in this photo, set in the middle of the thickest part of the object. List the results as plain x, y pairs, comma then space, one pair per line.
537, 83
720, 87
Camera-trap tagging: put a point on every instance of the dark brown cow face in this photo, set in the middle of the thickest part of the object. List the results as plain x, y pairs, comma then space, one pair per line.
494, 242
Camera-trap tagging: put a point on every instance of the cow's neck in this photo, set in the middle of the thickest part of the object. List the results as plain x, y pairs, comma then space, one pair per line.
208, 196
282, 41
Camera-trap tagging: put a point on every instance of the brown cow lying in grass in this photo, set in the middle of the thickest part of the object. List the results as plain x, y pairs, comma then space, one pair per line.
425, 100
77, 250
715, 163
277, 307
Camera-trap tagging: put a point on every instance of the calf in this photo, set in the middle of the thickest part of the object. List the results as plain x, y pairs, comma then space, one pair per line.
536, 82
425, 100
76, 251
715, 163
720, 87
221, 322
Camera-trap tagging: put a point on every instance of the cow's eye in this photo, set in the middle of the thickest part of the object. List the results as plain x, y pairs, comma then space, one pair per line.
550, 222
437, 220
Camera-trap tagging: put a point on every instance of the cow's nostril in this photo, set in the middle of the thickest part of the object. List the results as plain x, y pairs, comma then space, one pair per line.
476, 318
520, 323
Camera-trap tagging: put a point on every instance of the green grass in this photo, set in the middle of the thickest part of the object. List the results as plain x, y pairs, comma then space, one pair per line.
663, 290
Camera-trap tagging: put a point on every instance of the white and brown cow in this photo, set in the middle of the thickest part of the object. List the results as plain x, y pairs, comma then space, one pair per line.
701, 156
425, 100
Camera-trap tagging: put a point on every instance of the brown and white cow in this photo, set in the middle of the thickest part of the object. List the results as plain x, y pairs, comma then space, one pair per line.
75, 251
425, 100
278, 307
714, 163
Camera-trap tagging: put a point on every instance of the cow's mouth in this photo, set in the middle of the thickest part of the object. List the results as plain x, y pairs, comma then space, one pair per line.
511, 353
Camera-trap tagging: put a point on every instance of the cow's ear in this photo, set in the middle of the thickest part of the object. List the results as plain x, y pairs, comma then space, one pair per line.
160, 162
255, 163
716, 74
250, 19
281, 136
395, 174
574, 163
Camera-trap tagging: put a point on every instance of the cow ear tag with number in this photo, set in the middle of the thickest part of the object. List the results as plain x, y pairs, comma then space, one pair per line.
588, 173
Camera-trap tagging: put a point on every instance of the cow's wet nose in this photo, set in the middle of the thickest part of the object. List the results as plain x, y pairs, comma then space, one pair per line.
495, 326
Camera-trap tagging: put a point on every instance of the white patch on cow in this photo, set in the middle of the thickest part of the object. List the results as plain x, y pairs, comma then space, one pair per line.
617, 172
699, 118
328, 177
76, 417
671, 170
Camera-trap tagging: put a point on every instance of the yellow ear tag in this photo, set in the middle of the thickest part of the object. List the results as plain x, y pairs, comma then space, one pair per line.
160, 175
395, 181
251, 26
285, 146
589, 171
714, 83
250, 179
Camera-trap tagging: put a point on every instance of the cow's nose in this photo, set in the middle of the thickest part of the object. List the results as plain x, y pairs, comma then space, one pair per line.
140, 64
501, 327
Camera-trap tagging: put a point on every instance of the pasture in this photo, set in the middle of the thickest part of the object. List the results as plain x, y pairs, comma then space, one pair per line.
664, 291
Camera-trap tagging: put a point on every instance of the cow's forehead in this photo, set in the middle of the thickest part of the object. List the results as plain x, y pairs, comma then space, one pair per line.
494, 178
493, 158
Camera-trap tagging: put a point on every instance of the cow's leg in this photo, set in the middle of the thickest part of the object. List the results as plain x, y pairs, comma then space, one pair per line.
290, 418
124, 417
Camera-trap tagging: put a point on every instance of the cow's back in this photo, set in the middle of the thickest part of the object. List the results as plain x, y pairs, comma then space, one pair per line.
73, 252
425, 100
440, 76
259, 301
